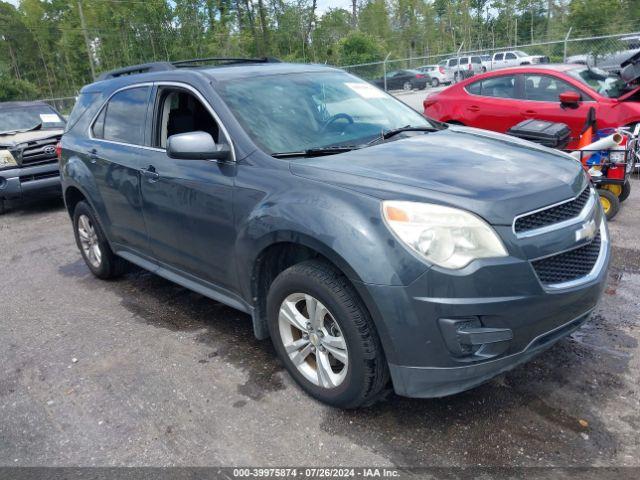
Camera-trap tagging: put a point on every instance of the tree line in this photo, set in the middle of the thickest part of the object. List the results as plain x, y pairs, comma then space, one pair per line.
50, 48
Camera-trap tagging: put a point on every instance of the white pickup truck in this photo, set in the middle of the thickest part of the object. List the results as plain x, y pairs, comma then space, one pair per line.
513, 58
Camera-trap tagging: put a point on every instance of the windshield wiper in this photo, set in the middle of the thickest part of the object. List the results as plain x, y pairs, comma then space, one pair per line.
395, 131
316, 152
11, 132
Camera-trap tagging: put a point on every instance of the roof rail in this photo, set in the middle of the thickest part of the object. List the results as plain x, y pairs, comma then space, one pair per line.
163, 66
223, 60
135, 69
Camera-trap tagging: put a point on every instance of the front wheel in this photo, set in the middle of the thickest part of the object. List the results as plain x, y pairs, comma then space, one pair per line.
435, 82
407, 86
325, 336
610, 203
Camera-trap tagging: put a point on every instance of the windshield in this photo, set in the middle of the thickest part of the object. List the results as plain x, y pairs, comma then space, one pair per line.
602, 82
23, 118
302, 111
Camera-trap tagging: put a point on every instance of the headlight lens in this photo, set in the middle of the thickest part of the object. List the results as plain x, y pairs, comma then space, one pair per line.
6, 159
445, 236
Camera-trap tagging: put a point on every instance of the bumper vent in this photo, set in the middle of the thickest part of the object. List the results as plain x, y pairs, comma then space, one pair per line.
551, 215
570, 265
39, 152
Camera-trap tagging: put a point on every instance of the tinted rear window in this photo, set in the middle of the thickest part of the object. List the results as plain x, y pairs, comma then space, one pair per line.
83, 102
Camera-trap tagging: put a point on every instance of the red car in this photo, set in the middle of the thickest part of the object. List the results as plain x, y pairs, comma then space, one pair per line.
500, 99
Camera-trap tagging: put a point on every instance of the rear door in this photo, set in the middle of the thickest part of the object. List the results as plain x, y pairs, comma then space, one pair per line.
541, 100
492, 103
187, 204
117, 153
498, 61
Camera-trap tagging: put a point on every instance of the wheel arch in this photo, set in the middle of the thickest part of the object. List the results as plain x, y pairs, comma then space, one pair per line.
287, 249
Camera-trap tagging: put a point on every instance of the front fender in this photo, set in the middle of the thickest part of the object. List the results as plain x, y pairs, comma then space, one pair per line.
344, 226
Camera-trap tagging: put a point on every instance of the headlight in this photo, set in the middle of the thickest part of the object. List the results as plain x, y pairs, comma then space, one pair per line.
6, 159
445, 236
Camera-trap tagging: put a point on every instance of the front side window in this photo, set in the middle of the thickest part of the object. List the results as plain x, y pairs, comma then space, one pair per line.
32, 117
510, 56
476, 60
179, 111
545, 88
499, 56
123, 118
301, 111
464, 61
453, 62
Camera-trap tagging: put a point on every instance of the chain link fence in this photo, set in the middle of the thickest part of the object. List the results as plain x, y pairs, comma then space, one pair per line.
606, 52
602, 51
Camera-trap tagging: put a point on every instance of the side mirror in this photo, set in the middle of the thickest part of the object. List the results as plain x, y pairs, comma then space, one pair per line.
570, 98
196, 146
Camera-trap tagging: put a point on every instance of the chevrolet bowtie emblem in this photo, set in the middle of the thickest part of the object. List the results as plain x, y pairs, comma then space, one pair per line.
587, 231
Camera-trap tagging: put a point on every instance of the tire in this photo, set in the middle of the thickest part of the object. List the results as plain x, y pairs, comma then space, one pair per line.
610, 203
360, 380
484, 69
434, 82
626, 191
106, 265
407, 86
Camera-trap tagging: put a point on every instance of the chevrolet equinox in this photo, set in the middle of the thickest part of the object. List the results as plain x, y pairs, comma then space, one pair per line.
373, 245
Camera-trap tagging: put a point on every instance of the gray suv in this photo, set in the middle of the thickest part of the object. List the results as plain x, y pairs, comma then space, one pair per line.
374, 246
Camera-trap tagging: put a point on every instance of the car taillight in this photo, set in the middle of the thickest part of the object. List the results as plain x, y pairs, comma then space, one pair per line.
441, 70
419, 75
59, 150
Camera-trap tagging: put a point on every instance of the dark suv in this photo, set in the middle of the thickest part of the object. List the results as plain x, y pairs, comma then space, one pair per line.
29, 133
366, 240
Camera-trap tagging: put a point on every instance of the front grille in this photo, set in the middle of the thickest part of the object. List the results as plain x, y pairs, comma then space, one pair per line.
552, 215
34, 153
570, 265
38, 176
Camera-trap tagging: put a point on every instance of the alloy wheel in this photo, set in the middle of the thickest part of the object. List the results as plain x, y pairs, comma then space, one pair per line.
313, 340
89, 241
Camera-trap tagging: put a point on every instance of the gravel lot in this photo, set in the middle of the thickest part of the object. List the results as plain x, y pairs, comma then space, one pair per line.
139, 371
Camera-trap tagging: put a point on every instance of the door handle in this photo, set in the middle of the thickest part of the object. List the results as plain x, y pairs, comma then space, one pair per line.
473, 108
93, 155
150, 173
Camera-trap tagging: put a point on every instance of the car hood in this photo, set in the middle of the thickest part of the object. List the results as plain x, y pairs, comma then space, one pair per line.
24, 137
491, 174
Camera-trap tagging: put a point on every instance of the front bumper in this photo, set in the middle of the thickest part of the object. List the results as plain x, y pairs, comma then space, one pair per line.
21, 181
498, 301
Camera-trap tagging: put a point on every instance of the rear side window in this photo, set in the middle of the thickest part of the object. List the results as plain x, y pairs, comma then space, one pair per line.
123, 118
476, 60
83, 102
453, 62
464, 61
499, 87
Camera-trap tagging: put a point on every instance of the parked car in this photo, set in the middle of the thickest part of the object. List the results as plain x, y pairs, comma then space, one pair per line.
610, 61
29, 132
367, 241
464, 67
513, 58
437, 73
558, 93
405, 80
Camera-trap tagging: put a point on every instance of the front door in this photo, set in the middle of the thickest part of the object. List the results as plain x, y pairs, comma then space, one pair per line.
541, 101
187, 204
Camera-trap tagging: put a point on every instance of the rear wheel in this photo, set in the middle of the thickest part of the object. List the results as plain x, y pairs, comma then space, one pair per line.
435, 82
407, 86
325, 336
626, 191
610, 203
93, 244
